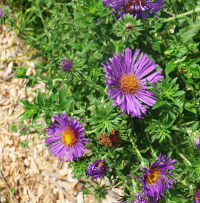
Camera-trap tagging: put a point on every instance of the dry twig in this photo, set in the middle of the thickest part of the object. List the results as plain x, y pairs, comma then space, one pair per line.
60, 188
15, 200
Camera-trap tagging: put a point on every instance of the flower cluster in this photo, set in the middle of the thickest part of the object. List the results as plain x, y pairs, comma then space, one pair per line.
126, 78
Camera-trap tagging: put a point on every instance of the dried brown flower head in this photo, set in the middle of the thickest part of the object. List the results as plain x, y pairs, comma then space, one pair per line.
110, 141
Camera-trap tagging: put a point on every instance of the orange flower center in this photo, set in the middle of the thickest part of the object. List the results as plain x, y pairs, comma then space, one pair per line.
69, 137
153, 177
130, 84
99, 164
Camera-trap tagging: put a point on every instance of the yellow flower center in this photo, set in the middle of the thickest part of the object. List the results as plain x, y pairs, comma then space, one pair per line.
153, 177
69, 137
130, 84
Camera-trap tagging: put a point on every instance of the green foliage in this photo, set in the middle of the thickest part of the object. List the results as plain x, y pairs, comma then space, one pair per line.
13, 128
85, 32
24, 144
20, 72
104, 120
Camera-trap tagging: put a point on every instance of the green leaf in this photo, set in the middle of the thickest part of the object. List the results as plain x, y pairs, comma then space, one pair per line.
170, 67
24, 117
89, 47
64, 106
75, 45
39, 99
179, 93
102, 89
159, 103
29, 83
83, 21
190, 31
50, 84
36, 56
62, 96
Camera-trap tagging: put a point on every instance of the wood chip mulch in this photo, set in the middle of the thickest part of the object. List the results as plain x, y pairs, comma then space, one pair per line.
32, 174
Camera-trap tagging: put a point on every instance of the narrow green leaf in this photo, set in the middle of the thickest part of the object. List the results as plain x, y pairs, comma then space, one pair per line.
28, 84
39, 99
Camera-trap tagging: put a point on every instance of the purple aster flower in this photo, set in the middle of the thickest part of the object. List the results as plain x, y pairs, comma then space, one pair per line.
135, 7
197, 143
156, 180
67, 65
127, 77
197, 196
96, 169
24, 129
66, 138
1, 13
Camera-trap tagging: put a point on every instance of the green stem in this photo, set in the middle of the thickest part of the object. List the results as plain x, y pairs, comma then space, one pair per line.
180, 154
189, 123
153, 152
134, 185
181, 15
187, 82
138, 152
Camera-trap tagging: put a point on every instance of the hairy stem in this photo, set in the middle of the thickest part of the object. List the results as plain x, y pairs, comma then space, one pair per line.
180, 154
181, 15
138, 152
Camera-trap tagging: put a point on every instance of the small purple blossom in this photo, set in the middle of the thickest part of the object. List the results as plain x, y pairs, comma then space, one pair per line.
66, 138
24, 129
127, 77
67, 65
96, 169
197, 143
1, 13
197, 196
135, 7
156, 180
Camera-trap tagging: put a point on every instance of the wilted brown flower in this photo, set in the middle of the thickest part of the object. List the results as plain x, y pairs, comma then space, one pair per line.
110, 141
